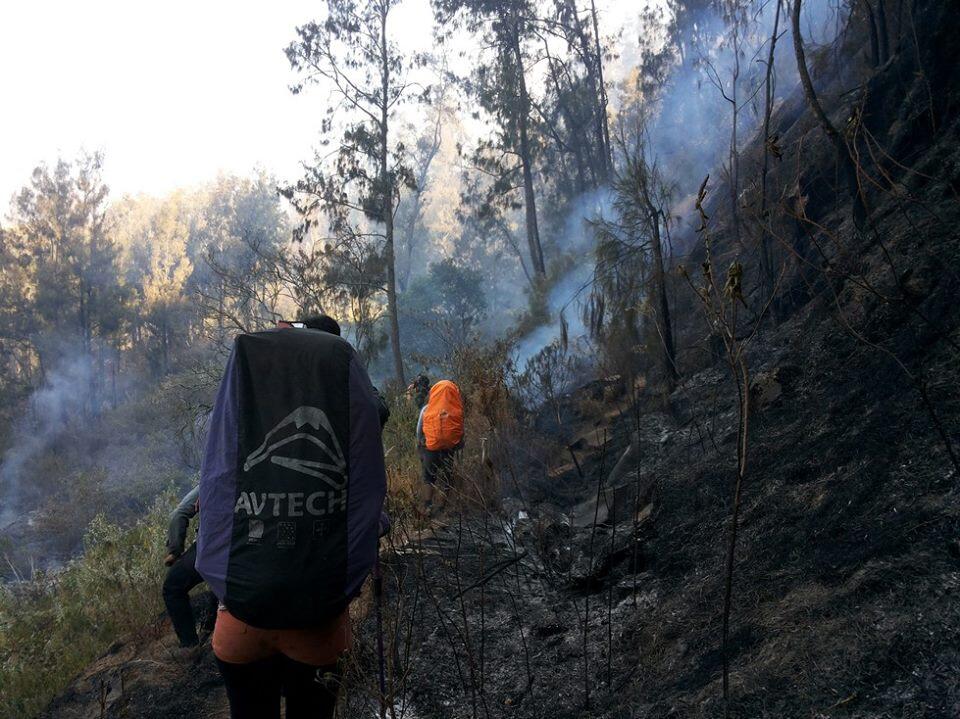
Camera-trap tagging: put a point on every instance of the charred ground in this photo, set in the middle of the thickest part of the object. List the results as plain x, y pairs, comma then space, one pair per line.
847, 565
548, 604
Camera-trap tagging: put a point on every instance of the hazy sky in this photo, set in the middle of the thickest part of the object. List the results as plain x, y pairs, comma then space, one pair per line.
172, 92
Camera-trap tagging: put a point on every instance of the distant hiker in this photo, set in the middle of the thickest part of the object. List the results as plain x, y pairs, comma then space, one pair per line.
439, 436
182, 575
419, 389
292, 489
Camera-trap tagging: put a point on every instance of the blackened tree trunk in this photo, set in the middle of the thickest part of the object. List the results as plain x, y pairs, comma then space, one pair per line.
847, 165
883, 35
529, 196
664, 326
661, 304
387, 185
874, 37
766, 261
603, 126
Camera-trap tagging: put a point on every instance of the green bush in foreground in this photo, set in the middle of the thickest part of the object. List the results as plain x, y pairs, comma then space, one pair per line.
55, 624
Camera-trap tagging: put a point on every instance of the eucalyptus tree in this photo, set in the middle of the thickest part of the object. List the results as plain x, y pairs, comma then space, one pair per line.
579, 86
353, 186
66, 259
426, 140
630, 245
499, 83
239, 242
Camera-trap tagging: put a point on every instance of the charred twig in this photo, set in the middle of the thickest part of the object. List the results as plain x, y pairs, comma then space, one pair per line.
586, 601
498, 568
576, 461
613, 542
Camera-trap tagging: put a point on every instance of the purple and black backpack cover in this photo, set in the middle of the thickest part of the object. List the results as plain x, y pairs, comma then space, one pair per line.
292, 482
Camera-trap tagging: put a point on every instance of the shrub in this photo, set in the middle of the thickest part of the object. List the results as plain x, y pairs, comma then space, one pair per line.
402, 460
442, 311
55, 624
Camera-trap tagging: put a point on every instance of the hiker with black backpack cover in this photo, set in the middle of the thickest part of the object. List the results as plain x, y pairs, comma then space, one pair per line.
292, 489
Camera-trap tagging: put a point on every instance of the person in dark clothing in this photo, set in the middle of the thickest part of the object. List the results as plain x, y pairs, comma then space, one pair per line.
182, 575
324, 323
254, 689
291, 660
419, 389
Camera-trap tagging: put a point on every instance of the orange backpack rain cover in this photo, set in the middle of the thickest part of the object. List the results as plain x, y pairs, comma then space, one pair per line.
443, 417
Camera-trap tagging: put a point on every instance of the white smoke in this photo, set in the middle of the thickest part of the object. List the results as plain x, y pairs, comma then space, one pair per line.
59, 402
565, 298
689, 131
688, 136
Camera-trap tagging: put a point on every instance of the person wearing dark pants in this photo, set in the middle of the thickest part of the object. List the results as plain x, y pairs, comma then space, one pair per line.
259, 666
286, 579
181, 578
182, 575
254, 689
437, 465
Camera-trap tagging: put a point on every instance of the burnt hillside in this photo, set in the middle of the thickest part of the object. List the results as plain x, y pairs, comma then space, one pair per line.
589, 592
844, 597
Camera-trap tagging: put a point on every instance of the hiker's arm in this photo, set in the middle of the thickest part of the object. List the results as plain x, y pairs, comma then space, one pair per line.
421, 440
180, 520
382, 408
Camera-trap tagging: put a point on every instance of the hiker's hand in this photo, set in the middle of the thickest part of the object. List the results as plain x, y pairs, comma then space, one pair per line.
170, 559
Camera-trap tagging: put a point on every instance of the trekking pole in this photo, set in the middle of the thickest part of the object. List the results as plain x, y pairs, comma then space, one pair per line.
378, 593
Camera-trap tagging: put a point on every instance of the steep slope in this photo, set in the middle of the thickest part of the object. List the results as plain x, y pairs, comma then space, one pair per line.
847, 567
147, 679
848, 561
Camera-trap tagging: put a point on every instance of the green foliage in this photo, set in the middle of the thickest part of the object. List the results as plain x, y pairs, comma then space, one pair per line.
353, 191
55, 624
546, 378
402, 458
59, 278
351, 52
442, 309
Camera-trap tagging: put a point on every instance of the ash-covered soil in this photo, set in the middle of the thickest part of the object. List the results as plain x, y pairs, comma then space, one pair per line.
147, 677
847, 569
844, 600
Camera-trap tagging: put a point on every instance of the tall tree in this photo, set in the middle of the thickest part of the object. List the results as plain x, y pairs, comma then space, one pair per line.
352, 55
167, 269
238, 245
579, 28
59, 238
155, 235
641, 202
844, 156
425, 148
728, 80
500, 85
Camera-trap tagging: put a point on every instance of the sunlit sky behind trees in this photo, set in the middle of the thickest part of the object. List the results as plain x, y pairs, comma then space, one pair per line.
174, 93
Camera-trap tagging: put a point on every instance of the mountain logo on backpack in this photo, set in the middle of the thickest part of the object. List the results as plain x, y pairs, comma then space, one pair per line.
304, 424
